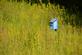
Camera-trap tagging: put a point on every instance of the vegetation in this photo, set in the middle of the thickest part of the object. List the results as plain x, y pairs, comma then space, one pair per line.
24, 30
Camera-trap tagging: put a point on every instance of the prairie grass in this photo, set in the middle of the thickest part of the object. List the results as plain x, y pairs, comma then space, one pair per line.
24, 30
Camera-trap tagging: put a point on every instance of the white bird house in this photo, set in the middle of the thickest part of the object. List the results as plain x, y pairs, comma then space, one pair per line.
54, 24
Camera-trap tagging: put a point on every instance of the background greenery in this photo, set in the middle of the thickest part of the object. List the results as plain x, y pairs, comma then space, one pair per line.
24, 29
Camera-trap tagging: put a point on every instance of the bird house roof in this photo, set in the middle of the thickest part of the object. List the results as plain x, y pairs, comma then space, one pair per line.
53, 20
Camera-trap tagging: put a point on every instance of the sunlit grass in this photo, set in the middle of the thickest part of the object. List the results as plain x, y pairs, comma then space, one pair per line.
24, 30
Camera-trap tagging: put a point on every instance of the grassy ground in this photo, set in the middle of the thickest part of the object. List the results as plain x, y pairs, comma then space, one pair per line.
24, 30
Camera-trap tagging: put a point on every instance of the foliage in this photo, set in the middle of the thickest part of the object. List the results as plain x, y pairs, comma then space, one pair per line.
24, 30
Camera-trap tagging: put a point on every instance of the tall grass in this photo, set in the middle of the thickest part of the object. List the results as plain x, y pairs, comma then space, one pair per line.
24, 30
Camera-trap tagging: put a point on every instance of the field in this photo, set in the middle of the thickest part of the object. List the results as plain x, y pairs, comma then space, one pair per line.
24, 30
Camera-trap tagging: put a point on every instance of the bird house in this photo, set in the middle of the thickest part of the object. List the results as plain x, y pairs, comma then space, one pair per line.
54, 24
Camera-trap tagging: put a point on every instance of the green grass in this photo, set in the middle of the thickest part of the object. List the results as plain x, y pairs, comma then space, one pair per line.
24, 30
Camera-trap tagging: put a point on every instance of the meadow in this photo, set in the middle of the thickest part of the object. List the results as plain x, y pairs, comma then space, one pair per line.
24, 30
